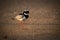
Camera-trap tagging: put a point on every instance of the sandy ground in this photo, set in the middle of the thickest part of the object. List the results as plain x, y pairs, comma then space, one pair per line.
43, 22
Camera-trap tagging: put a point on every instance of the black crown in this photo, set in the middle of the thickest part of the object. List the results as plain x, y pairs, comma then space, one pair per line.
26, 12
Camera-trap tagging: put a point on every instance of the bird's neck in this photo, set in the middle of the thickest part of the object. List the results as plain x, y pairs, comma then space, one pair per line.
26, 14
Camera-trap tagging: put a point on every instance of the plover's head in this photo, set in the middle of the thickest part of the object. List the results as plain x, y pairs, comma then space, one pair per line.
26, 12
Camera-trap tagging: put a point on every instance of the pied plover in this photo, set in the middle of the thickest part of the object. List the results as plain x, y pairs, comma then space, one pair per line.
23, 16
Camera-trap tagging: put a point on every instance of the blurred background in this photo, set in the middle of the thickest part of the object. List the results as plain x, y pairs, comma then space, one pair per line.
43, 22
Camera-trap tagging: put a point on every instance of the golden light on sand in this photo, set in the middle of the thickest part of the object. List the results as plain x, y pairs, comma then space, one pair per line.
19, 17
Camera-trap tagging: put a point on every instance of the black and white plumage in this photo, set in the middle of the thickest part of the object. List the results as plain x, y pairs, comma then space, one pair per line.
23, 16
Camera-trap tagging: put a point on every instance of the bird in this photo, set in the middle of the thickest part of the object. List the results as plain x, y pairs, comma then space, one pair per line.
23, 16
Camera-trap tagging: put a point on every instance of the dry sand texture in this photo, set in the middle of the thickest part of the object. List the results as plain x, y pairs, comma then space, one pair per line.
43, 22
